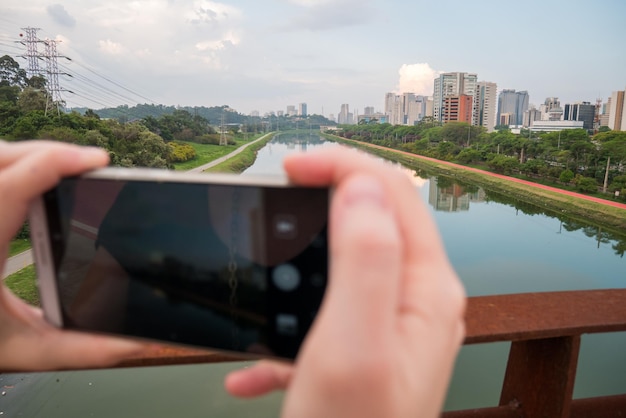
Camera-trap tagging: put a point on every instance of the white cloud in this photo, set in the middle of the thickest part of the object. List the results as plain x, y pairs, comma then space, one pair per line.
210, 12
110, 47
229, 38
416, 78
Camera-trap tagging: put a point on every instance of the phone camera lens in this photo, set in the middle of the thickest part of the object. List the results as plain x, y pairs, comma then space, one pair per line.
286, 277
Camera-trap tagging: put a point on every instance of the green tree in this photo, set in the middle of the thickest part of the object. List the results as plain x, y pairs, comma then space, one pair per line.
11, 74
503, 164
585, 184
566, 176
31, 99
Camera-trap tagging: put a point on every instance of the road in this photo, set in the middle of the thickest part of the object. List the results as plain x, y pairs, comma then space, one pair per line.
17, 262
225, 157
24, 259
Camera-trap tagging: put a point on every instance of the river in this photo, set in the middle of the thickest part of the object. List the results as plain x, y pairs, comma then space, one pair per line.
495, 244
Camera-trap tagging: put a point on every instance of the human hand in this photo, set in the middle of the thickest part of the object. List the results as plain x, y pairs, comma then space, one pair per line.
27, 341
391, 323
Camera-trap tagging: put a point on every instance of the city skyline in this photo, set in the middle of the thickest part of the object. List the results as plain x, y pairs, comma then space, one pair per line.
266, 55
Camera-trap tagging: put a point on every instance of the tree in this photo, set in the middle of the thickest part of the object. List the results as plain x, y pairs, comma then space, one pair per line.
503, 164
32, 99
585, 184
11, 74
566, 176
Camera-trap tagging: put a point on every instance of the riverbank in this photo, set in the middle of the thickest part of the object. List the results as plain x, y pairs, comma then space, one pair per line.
577, 206
238, 161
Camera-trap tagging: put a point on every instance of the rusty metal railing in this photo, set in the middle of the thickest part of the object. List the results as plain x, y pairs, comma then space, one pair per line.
544, 329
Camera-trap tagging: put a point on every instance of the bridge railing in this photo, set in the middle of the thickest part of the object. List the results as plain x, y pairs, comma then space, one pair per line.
544, 329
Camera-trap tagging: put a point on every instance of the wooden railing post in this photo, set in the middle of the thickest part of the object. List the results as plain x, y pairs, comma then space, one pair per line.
540, 376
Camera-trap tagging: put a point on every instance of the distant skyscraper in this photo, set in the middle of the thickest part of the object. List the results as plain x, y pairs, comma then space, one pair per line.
405, 109
513, 103
585, 112
485, 105
452, 84
291, 111
302, 109
368, 111
530, 116
551, 109
617, 111
345, 117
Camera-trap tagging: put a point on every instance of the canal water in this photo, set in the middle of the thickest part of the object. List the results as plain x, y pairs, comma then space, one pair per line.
497, 245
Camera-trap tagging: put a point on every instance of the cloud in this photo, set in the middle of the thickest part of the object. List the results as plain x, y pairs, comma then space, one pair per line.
110, 47
58, 13
416, 78
210, 12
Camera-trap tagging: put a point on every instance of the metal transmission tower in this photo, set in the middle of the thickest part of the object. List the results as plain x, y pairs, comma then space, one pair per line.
52, 72
32, 55
223, 140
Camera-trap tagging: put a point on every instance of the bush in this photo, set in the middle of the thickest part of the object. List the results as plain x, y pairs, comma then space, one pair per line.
566, 176
586, 184
503, 164
180, 152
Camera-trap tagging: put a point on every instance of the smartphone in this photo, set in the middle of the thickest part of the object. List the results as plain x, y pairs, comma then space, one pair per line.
228, 262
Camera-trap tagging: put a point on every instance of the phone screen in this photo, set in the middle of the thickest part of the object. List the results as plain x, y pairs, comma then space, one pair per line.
237, 268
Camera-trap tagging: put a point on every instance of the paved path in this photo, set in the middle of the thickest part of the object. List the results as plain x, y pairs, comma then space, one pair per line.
513, 179
17, 262
226, 157
24, 259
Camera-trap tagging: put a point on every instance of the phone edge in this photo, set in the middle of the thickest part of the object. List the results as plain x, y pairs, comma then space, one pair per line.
44, 262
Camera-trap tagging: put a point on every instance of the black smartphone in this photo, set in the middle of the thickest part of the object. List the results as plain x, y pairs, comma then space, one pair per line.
227, 262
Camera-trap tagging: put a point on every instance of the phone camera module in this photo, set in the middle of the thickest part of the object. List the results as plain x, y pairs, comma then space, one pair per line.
286, 277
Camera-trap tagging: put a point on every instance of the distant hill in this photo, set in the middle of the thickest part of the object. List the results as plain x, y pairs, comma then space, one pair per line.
212, 114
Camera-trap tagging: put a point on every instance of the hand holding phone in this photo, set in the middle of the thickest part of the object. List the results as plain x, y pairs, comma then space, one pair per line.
217, 261
27, 341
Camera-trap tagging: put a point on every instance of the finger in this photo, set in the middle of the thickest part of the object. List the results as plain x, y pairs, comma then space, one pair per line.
10, 152
330, 166
428, 277
366, 259
260, 379
32, 173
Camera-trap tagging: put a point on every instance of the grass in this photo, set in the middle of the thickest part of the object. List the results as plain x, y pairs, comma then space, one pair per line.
18, 246
24, 285
205, 153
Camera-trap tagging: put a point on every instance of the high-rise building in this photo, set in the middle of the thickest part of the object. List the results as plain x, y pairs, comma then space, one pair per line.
530, 116
302, 109
416, 110
368, 111
617, 111
457, 108
485, 105
584, 111
551, 109
452, 84
515, 104
345, 117
291, 110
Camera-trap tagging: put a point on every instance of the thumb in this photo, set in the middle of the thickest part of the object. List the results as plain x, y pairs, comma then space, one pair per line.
366, 254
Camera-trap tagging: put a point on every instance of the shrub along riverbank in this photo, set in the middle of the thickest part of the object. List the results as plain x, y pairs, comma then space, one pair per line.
576, 208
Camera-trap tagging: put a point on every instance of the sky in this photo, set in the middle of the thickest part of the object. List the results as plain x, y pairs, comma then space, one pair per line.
264, 55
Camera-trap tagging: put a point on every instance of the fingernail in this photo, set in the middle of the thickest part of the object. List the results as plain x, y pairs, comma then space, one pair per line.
365, 189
